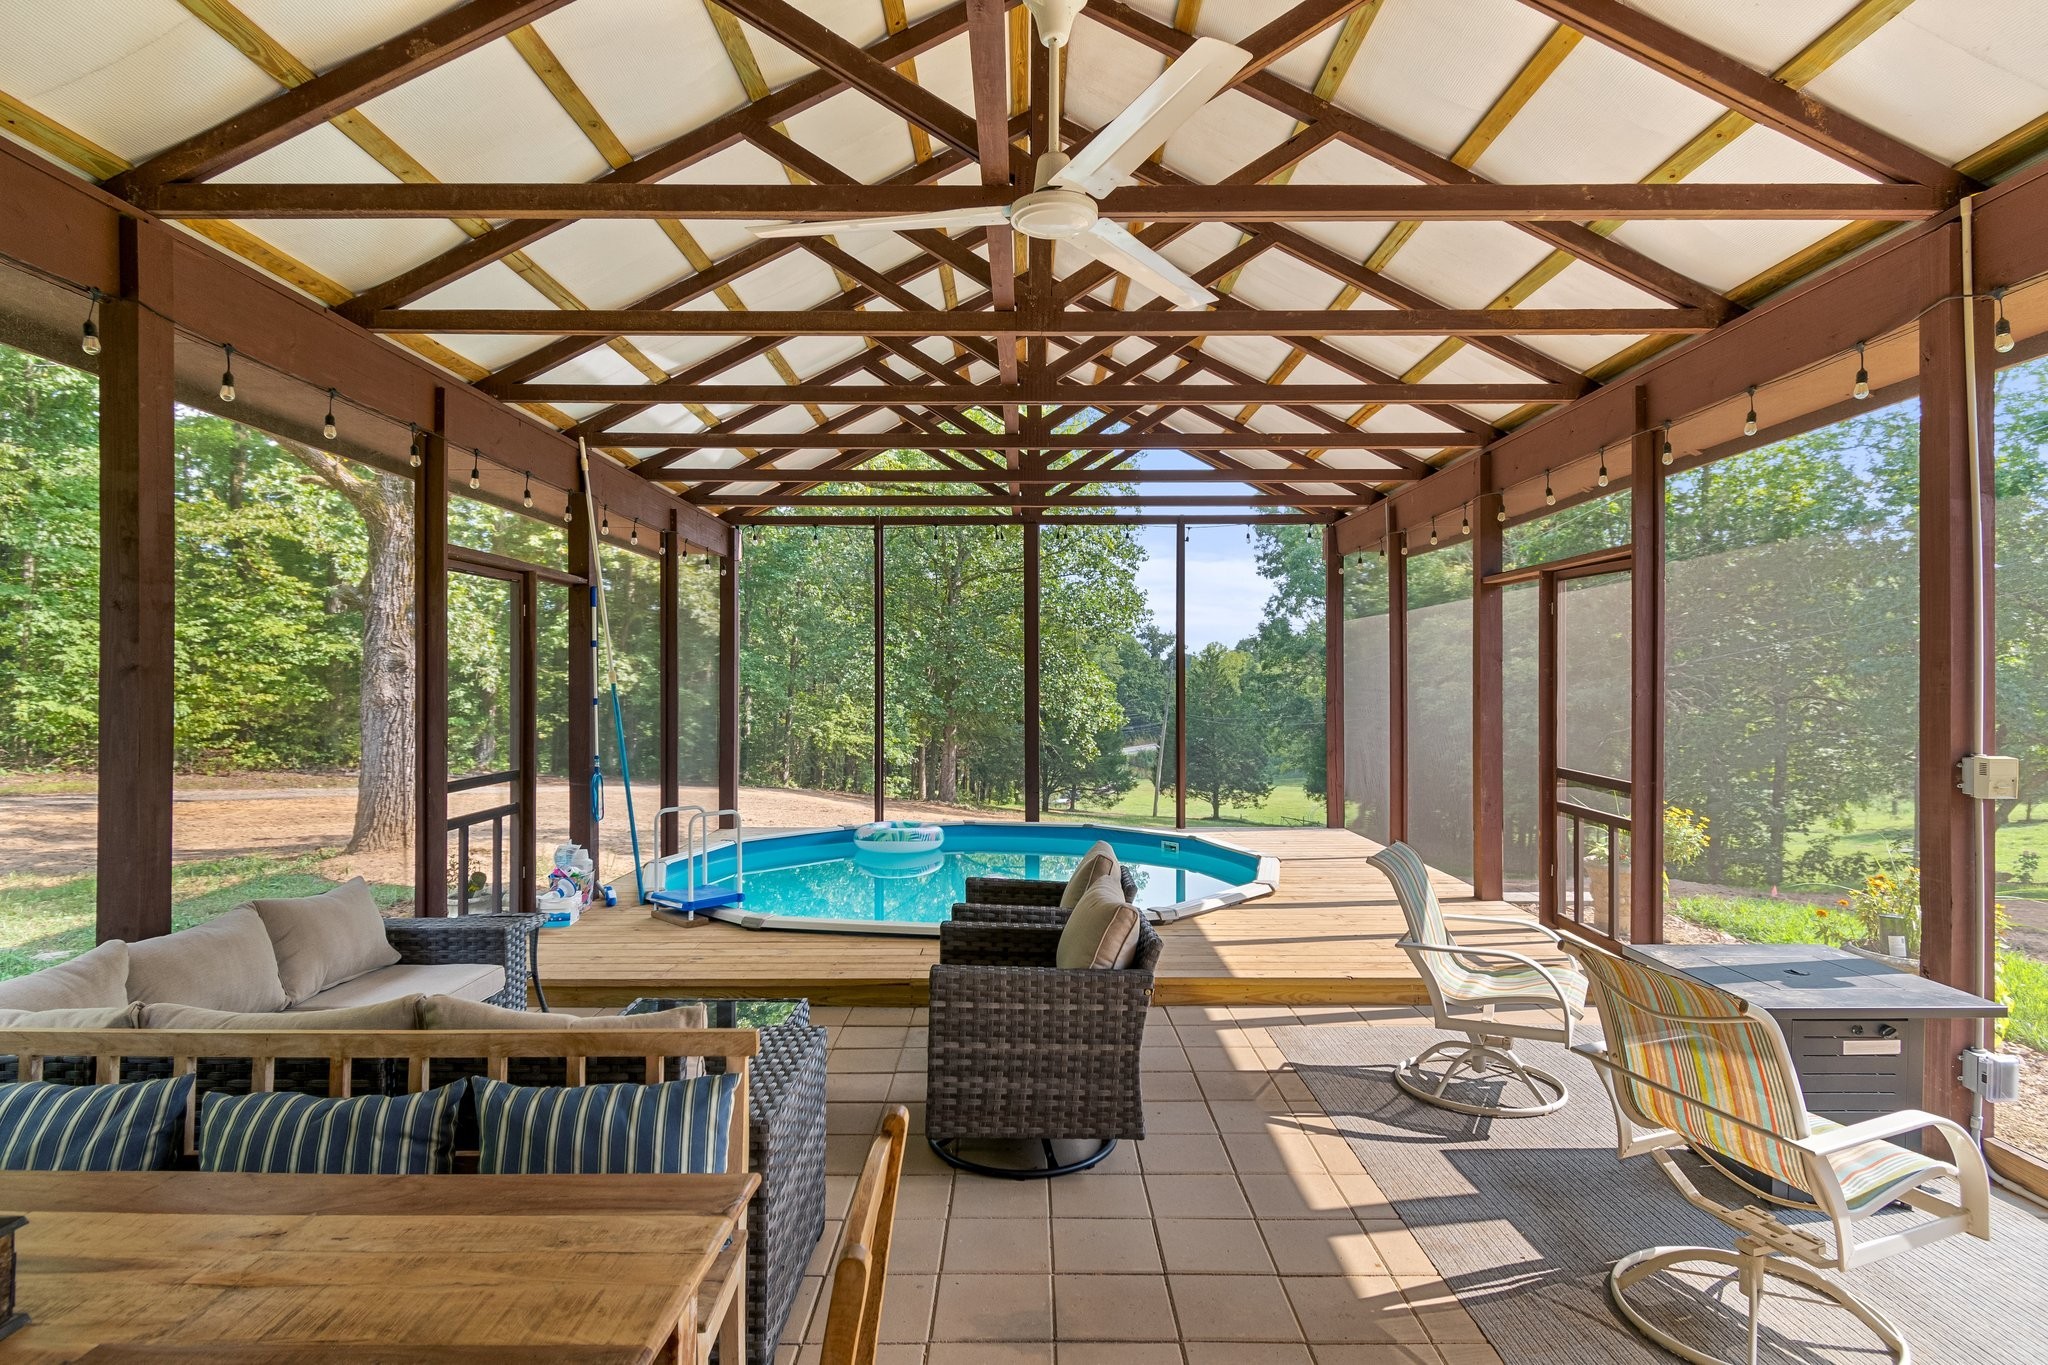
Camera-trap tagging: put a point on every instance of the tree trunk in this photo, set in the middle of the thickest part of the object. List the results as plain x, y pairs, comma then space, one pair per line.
1780, 782
390, 668
949, 763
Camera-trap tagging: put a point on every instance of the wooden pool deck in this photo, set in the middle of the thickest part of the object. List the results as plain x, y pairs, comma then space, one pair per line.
1326, 937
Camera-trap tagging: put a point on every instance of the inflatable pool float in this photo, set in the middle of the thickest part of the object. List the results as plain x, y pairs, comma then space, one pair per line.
908, 839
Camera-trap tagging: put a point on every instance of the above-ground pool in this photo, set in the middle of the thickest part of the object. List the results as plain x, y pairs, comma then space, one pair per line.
817, 879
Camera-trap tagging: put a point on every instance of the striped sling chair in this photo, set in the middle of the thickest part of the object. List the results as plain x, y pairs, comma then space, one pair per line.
1490, 995
1691, 1068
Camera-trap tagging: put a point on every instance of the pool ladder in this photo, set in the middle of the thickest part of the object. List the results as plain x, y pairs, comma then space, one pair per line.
687, 907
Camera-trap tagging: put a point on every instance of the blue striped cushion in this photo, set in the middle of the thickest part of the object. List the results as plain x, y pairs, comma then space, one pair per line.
673, 1128
304, 1134
130, 1127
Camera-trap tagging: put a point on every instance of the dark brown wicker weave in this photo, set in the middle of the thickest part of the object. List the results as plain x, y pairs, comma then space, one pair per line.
1021, 1050
1031, 891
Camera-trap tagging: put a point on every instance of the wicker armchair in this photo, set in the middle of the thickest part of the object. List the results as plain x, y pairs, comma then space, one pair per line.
510, 941
1021, 1050
1029, 891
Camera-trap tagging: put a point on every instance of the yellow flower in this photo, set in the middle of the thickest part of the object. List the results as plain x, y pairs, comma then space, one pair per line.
1843, 902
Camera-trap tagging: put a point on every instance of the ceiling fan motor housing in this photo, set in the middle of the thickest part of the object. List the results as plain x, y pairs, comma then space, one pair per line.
1050, 215
1055, 19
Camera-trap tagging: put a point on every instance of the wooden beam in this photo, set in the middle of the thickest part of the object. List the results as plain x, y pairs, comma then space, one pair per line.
1702, 67
1280, 36
584, 561
1333, 681
1180, 677
430, 653
1253, 203
1489, 746
885, 500
1646, 676
669, 613
878, 612
995, 440
1100, 396
1321, 474
1163, 323
987, 62
1396, 741
360, 78
1034, 794
729, 676
138, 563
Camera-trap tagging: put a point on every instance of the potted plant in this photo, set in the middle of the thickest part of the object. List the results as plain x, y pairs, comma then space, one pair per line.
1885, 913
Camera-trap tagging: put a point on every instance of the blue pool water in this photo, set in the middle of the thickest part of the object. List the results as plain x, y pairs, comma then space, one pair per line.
820, 877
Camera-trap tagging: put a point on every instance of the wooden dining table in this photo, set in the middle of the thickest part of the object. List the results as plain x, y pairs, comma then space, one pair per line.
119, 1269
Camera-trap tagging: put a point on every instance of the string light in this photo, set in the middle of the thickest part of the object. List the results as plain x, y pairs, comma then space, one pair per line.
1665, 454
1601, 477
634, 538
1501, 513
89, 339
1749, 418
526, 490
568, 509
1862, 386
418, 456
227, 376
1549, 497
476, 474
2001, 334
1432, 530
1404, 545
1465, 520
604, 521
328, 429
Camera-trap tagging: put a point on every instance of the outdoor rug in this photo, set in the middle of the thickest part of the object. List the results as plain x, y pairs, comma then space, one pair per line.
1524, 1217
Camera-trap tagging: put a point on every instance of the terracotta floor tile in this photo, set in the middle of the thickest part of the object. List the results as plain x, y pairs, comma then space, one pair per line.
1120, 1353
1354, 1309
854, 1085
923, 1196
1295, 1194
1172, 1085
989, 1353
1183, 1154
1248, 1116
994, 1308
1233, 1308
1402, 1253
1213, 1246
1096, 1194
1247, 1353
1196, 1196
914, 1247
1236, 1085
1321, 1246
1273, 1150
1177, 1116
1105, 1246
1382, 1354
863, 1117
863, 1059
906, 1309
865, 1035
998, 1246
905, 1086
1110, 1307
981, 1196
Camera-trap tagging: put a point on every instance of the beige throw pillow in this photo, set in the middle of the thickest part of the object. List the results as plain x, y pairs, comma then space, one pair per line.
327, 939
1102, 931
453, 1012
386, 1016
95, 979
1097, 861
223, 964
103, 1016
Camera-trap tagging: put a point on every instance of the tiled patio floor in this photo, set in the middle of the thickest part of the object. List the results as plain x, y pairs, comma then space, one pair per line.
1241, 1232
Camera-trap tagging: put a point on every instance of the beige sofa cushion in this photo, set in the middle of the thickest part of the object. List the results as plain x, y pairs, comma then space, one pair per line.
470, 980
104, 1016
453, 1012
95, 979
327, 939
1102, 931
1095, 863
226, 963
401, 1012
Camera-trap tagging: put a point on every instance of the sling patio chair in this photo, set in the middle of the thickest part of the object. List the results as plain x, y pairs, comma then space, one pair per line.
1468, 988
1689, 1067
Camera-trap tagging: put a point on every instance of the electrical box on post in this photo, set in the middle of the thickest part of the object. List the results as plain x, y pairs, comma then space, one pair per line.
1990, 777
1994, 1075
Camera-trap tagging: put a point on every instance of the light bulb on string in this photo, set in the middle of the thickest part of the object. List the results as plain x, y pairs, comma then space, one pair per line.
227, 376
476, 473
89, 338
1404, 545
1861, 388
1432, 530
1465, 520
634, 538
604, 521
1749, 418
328, 429
1601, 477
1549, 497
1500, 513
2001, 332
526, 490
416, 456
568, 510
1665, 454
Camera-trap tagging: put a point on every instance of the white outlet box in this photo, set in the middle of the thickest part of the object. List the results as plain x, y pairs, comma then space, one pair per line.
1994, 1075
1990, 777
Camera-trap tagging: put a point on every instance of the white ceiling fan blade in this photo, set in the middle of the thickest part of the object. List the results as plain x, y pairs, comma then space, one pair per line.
995, 215
1196, 77
1111, 244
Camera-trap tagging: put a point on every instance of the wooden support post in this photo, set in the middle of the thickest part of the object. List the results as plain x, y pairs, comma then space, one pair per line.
1954, 940
671, 682
1333, 680
1033, 794
1646, 676
1488, 722
881, 645
430, 628
1180, 676
138, 550
1548, 855
1397, 687
583, 562
526, 735
729, 677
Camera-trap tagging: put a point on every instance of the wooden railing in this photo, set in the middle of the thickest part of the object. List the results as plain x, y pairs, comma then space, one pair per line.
494, 897
1590, 902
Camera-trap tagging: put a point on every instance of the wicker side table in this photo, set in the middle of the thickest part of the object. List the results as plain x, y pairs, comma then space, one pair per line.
786, 1134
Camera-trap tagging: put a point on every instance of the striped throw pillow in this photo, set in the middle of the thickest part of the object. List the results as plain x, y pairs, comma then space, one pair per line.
673, 1128
307, 1135
130, 1127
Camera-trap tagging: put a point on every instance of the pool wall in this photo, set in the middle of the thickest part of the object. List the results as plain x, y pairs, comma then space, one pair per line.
1224, 860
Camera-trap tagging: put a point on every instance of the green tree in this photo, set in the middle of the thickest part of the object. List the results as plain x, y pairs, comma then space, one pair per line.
1227, 760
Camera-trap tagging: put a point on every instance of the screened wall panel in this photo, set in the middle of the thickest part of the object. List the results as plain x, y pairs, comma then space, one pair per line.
1440, 707
1520, 703
1365, 695
1106, 676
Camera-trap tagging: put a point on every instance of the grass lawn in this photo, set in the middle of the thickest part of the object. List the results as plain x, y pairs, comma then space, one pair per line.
1876, 827
43, 924
1284, 805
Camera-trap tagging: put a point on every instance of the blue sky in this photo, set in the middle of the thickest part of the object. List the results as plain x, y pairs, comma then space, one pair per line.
1226, 595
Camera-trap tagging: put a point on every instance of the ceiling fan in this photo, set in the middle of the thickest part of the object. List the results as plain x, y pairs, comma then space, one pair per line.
1061, 206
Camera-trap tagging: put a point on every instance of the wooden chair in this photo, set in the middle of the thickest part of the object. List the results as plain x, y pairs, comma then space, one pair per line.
853, 1315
